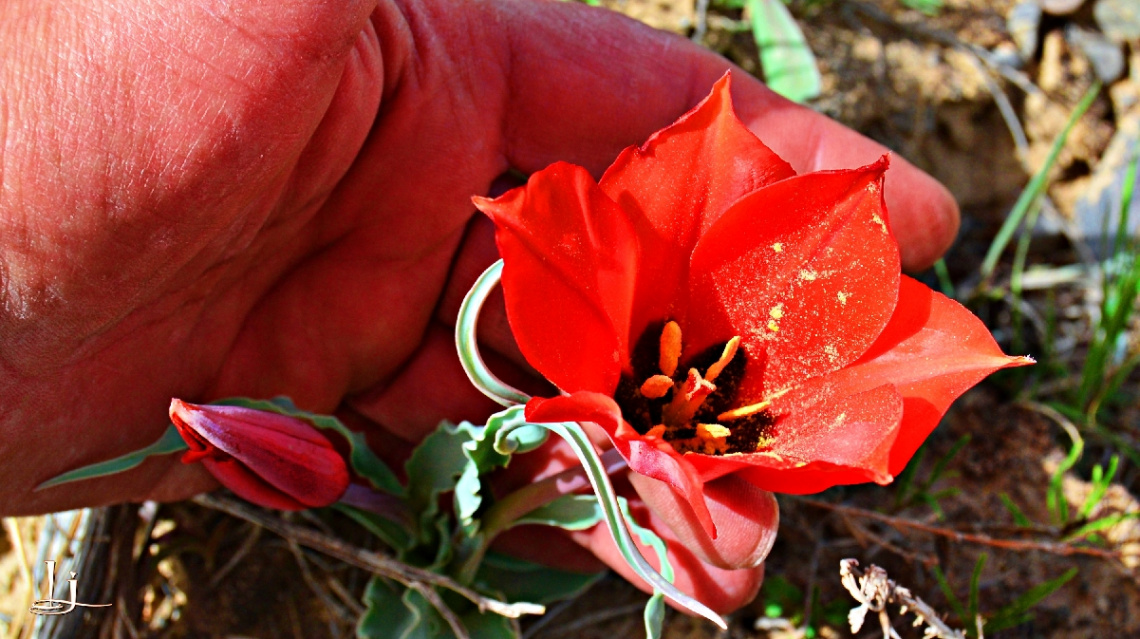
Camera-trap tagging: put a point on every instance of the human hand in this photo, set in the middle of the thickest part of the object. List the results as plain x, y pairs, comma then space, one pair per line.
268, 199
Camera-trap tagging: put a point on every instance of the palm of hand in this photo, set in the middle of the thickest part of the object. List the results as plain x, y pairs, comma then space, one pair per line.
281, 205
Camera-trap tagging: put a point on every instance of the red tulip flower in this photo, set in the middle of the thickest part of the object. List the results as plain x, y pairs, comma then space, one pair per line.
718, 314
272, 460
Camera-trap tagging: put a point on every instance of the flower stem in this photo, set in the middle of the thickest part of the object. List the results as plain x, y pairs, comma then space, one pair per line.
599, 479
466, 341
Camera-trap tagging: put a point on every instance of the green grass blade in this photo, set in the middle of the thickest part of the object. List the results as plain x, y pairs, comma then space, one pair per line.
1035, 187
948, 592
1016, 612
789, 66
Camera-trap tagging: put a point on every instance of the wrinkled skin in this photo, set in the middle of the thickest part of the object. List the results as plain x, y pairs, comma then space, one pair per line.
203, 199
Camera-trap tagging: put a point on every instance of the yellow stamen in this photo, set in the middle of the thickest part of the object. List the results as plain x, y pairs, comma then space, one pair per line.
687, 401
743, 411
712, 431
725, 357
656, 387
670, 348
656, 431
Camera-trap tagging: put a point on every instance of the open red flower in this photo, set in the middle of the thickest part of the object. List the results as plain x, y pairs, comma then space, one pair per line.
272, 460
716, 313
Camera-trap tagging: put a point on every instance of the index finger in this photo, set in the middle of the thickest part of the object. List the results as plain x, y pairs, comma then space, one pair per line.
584, 83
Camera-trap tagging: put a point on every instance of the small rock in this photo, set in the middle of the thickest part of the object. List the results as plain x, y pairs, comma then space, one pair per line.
1098, 210
1061, 7
1118, 19
1023, 22
1106, 57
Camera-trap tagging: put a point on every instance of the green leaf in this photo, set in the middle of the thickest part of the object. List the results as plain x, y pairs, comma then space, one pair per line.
394, 612
433, 469
391, 533
170, 442
570, 512
483, 458
487, 625
789, 66
1017, 612
519, 580
361, 458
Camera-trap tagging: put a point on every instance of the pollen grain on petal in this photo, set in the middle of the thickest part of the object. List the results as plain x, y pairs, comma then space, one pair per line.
778, 247
656, 387
777, 311
670, 348
842, 297
773, 326
878, 220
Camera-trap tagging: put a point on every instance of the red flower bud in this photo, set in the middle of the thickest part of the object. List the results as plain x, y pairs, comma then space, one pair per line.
272, 460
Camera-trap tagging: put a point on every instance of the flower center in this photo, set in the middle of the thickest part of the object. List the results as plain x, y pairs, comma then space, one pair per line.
691, 409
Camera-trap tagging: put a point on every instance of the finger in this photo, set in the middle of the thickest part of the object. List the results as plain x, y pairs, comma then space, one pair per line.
583, 84
746, 519
128, 142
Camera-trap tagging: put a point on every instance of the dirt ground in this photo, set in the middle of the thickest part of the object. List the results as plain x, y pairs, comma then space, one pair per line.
931, 87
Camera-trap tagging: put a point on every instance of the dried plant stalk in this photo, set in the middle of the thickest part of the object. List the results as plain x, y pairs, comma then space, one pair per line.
875, 591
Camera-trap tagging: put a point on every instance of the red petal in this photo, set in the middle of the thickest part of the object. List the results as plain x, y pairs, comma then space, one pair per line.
677, 184
840, 439
805, 271
655, 459
249, 486
933, 350
570, 259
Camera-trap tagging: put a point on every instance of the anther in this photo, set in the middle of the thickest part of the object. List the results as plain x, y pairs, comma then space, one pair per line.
743, 411
670, 352
725, 357
656, 387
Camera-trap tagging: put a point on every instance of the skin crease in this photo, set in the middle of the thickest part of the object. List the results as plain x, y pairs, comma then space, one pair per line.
202, 199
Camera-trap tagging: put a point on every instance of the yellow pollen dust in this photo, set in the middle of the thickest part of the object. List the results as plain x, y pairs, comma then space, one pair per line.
778, 247
773, 326
670, 352
777, 311
808, 275
842, 297
878, 220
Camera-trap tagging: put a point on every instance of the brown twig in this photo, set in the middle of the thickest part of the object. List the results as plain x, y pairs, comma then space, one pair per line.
873, 590
436, 602
1054, 547
364, 559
